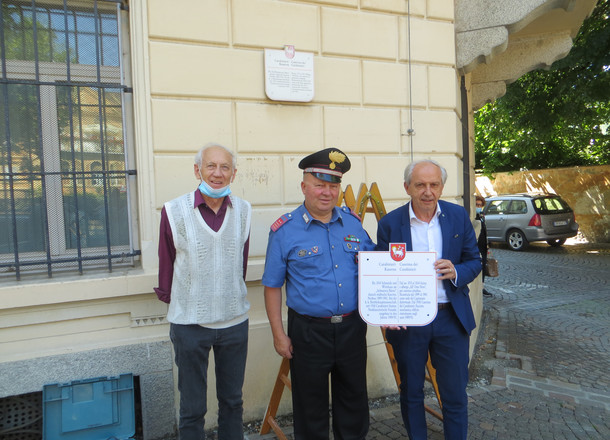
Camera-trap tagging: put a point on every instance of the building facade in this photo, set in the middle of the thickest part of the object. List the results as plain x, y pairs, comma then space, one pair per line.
104, 104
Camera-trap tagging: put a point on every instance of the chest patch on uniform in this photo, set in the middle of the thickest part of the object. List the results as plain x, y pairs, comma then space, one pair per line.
280, 222
352, 238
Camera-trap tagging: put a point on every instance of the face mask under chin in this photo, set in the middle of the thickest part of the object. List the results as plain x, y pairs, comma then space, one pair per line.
215, 193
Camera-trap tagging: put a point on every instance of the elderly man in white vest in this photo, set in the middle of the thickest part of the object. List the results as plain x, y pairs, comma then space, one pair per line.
203, 253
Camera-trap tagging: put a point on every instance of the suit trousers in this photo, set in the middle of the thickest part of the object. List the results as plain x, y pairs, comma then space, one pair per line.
192, 345
448, 344
323, 349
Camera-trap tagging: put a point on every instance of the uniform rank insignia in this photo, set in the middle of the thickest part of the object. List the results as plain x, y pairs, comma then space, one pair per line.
352, 238
279, 222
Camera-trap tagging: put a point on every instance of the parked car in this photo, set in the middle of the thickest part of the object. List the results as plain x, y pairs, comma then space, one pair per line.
519, 219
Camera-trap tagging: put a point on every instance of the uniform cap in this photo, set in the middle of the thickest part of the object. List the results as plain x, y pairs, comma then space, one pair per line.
329, 164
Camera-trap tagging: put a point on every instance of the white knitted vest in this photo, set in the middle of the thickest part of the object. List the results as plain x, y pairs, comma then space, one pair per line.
208, 285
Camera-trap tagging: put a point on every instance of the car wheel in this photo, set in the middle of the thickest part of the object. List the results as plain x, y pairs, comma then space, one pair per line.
556, 243
516, 240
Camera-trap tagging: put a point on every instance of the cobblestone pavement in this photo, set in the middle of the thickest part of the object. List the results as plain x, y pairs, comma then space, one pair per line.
545, 342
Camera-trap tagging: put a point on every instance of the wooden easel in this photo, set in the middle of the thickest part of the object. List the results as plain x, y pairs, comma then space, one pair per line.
360, 205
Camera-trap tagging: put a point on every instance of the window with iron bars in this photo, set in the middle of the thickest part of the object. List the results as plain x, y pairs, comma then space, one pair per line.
67, 188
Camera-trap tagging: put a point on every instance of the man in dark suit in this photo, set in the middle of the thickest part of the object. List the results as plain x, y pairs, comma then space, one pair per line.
429, 224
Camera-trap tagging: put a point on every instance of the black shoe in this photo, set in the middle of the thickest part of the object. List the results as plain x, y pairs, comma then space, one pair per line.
486, 293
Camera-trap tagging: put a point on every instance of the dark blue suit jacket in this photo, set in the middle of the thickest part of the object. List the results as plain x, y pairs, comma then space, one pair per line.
459, 246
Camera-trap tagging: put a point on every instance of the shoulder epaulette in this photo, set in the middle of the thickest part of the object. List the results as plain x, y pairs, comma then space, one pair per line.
280, 222
352, 212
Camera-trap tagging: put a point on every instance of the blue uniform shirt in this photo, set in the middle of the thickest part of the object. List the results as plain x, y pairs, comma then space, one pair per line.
318, 261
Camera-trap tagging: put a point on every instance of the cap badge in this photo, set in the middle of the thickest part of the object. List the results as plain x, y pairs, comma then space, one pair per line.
335, 156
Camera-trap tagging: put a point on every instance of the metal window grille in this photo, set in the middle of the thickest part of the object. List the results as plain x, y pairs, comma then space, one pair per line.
66, 201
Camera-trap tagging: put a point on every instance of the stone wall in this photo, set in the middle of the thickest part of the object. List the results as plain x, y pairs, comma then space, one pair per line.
586, 189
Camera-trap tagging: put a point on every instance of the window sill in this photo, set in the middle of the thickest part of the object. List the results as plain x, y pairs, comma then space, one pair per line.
76, 288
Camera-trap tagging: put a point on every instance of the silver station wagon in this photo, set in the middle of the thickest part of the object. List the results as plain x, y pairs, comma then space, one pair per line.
519, 219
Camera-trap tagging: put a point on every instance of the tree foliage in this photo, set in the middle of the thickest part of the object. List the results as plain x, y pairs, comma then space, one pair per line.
553, 118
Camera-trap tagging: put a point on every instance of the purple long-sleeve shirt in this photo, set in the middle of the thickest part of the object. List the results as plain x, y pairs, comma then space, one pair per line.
167, 250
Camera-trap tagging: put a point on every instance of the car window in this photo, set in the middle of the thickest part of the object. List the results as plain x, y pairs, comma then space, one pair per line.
497, 207
518, 207
551, 205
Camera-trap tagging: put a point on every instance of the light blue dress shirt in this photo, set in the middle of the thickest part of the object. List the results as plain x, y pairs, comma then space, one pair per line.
318, 261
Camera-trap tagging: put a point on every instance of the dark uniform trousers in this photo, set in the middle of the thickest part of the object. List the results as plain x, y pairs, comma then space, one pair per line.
322, 348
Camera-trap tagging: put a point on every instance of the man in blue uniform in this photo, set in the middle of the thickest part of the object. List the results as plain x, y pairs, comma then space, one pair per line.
314, 250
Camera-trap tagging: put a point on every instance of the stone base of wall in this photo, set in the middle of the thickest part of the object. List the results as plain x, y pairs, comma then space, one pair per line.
151, 362
586, 189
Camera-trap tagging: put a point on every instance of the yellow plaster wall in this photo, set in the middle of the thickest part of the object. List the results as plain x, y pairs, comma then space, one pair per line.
209, 85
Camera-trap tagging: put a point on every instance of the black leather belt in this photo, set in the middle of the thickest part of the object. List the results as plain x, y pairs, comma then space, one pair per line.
335, 319
442, 306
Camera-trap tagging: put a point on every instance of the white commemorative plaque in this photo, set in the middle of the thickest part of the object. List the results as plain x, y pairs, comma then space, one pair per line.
289, 75
397, 288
